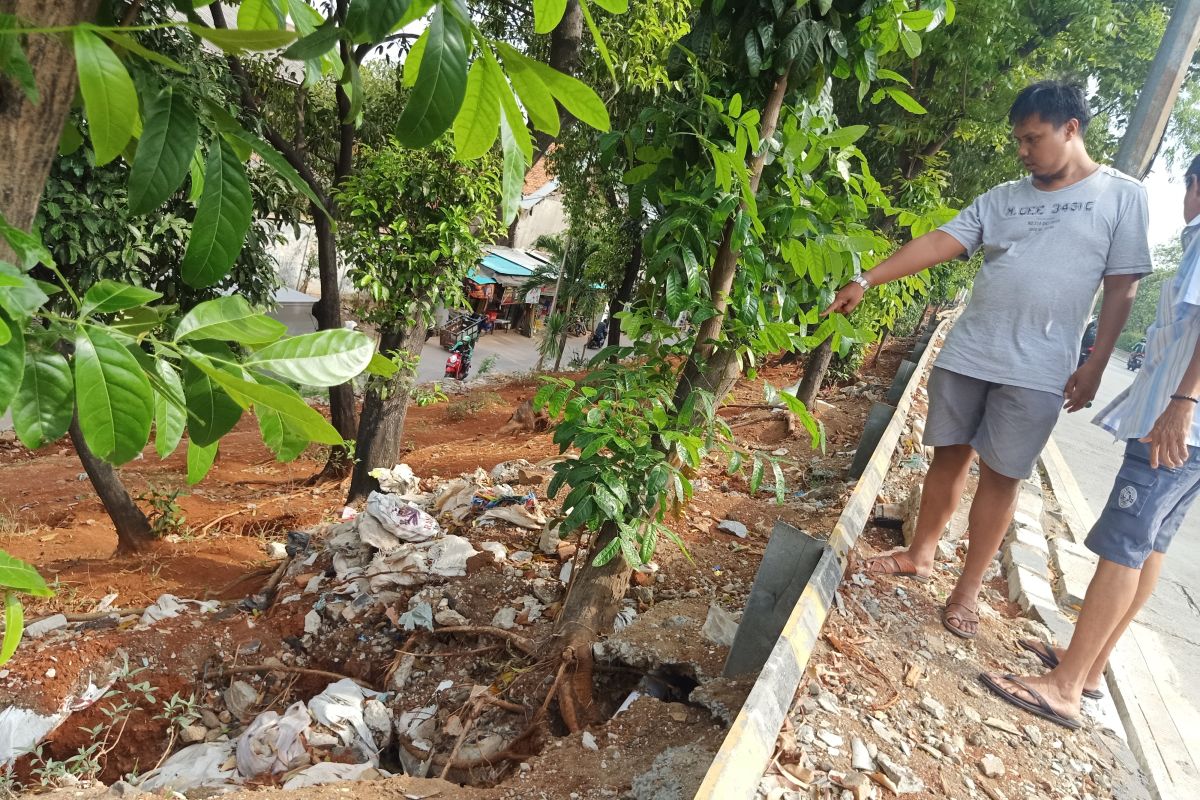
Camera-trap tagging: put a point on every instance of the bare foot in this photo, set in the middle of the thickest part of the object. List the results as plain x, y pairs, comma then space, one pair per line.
897, 562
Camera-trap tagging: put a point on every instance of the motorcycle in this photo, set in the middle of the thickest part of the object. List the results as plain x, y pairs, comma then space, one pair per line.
1135, 361
598, 336
458, 365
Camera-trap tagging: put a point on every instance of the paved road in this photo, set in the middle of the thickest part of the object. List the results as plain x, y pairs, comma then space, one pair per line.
1171, 620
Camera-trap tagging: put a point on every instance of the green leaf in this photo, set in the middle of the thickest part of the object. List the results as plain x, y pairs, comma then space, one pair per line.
324, 358
25, 297
534, 94
170, 414
382, 366
70, 140
440, 86
843, 137
780, 484
614, 6
315, 44
222, 219
513, 178
14, 625
279, 437
200, 459
608, 553
547, 14
230, 319
911, 43
412, 63
14, 63
575, 95
113, 395
295, 414
605, 56
476, 124
905, 100
372, 20
639, 173
756, 476
917, 20
105, 297
164, 151
212, 413
109, 97
12, 361
129, 44
196, 171
893, 76
237, 41
508, 104
274, 159
45, 402
258, 15
17, 576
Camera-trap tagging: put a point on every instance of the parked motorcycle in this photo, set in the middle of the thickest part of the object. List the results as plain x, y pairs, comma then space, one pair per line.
1135, 361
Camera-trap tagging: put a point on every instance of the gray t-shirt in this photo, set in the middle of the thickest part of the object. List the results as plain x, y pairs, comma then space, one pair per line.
1045, 256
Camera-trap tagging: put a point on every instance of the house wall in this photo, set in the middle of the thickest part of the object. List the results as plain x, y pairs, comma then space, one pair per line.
547, 218
292, 257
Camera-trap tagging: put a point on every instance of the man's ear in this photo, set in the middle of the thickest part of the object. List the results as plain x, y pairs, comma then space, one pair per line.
1071, 128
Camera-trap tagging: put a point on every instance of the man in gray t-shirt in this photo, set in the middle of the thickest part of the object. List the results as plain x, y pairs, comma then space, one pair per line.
1050, 240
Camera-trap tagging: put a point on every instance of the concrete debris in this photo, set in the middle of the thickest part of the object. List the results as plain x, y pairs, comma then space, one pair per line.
276, 550
510, 471
733, 527
676, 774
860, 757
191, 734
905, 780
991, 766
498, 551
589, 741
719, 627
933, 707
36, 630
1002, 725
240, 697
505, 618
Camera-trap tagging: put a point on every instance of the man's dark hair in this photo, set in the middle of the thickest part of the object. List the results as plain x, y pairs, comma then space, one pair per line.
1193, 169
1056, 102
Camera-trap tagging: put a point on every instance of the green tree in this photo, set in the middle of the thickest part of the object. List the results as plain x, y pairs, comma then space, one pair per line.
117, 362
1145, 305
414, 222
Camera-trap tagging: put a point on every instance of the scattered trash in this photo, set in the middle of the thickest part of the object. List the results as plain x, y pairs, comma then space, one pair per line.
240, 697
276, 550
21, 729
340, 708
419, 615
298, 543
389, 521
168, 605
331, 772
397, 480
510, 471
200, 766
274, 743
496, 549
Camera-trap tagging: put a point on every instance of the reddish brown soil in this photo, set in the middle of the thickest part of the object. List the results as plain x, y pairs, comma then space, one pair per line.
53, 520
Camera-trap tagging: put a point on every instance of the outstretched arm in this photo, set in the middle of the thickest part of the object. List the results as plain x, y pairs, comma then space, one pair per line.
921, 253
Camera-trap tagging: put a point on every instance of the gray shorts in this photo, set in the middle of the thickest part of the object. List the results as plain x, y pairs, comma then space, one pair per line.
1007, 425
1146, 507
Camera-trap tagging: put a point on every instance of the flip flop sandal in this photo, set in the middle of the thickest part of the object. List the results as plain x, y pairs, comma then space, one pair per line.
960, 633
1045, 654
897, 570
1041, 708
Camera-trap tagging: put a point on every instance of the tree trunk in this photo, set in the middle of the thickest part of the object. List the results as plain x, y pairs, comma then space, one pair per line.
29, 133
381, 428
328, 313
814, 372
133, 528
590, 607
562, 342
624, 292
564, 57
702, 370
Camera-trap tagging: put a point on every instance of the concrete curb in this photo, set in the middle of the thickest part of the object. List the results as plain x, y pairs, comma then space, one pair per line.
746, 751
1075, 565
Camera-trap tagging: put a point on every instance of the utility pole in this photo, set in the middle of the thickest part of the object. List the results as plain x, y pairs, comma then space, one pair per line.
1149, 121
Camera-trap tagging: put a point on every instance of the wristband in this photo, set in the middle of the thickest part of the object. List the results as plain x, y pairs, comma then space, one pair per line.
862, 280
1185, 397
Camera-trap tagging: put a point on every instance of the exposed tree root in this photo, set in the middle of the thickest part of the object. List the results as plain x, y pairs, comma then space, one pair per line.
517, 640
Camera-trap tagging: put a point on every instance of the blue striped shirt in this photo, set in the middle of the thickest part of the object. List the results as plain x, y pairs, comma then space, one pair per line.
1170, 345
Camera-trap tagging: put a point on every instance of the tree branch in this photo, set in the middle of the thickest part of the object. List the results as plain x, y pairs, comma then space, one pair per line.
252, 105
